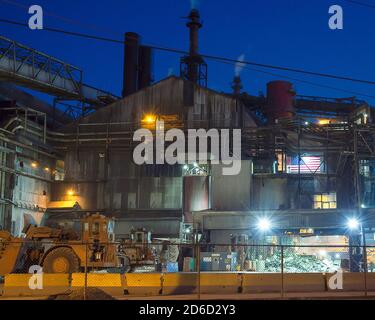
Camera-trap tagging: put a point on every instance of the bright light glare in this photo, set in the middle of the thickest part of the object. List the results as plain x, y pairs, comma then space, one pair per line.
323, 253
353, 223
264, 224
149, 118
70, 192
324, 121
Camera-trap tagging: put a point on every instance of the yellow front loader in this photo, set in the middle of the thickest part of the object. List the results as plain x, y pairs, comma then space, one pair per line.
62, 251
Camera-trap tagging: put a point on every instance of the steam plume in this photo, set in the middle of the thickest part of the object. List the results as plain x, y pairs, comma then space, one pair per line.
239, 66
194, 4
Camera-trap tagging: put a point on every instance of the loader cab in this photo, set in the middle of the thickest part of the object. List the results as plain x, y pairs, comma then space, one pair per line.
98, 228
140, 236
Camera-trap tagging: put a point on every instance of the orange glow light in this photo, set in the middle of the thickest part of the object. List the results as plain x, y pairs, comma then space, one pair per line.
149, 118
70, 192
34, 165
324, 121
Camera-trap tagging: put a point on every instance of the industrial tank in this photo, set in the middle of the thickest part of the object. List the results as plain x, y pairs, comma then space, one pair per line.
280, 101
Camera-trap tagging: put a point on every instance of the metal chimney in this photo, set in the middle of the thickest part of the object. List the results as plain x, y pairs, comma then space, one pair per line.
194, 25
130, 84
237, 85
193, 67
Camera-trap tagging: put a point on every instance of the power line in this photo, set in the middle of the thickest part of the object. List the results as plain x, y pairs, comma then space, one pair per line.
76, 22
304, 81
71, 33
363, 4
210, 57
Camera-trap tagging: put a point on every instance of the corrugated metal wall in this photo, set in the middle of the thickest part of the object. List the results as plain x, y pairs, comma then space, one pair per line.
197, 107
231, 192
31, 192
116, 183
270, 193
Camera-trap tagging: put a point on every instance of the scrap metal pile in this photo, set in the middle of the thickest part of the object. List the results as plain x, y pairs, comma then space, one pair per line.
297, 263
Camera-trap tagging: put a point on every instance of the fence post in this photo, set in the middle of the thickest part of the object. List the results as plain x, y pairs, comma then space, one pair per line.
86, 260
365, 267
198, 255
282, 271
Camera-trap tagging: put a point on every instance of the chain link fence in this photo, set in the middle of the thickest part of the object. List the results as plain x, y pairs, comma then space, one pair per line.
76, 270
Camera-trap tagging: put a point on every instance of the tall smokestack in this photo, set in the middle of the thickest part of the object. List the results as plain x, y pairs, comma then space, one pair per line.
194, 25
193, 67
237, 85
130, 84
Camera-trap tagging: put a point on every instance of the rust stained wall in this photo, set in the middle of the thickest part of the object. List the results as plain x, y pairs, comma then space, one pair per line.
197, 107
113, 182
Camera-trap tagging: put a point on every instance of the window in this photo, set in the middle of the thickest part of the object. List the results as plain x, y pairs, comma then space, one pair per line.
325, 201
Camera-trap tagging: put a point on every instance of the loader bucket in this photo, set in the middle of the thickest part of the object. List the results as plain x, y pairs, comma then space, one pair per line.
9, 252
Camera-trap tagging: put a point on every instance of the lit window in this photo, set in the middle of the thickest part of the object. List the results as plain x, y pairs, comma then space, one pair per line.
325, 201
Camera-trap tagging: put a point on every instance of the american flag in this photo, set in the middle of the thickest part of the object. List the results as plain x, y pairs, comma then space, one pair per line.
307, 165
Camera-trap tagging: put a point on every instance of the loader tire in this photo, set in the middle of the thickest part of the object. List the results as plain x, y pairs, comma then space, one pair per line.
61, 260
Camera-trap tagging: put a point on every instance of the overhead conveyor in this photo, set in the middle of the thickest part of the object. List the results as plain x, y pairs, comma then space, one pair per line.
33, 69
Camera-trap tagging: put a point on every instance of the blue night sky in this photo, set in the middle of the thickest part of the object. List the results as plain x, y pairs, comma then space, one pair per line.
287, 33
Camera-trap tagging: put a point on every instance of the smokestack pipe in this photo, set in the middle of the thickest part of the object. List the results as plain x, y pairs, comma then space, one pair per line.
130, 83
145, 67
193, 67
194, 25
194, 59
237, 85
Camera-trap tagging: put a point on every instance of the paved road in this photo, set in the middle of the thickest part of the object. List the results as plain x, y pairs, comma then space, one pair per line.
261, 296
258, 296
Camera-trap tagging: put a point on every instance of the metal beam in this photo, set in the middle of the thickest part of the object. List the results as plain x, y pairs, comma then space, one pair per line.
35, 70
